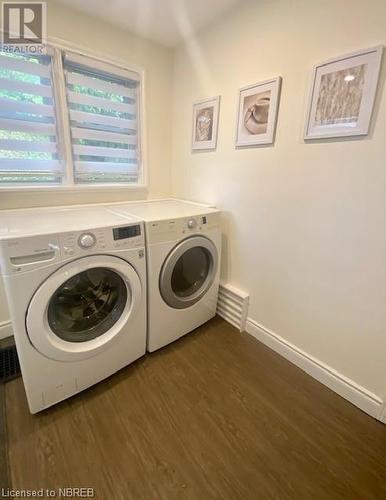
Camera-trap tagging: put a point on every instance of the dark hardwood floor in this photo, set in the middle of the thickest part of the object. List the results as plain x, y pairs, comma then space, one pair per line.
216, 415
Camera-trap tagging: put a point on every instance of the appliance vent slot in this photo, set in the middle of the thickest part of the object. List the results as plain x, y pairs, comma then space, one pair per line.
232, 305
9, 363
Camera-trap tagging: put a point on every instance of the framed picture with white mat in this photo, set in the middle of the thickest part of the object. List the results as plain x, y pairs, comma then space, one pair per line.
257, 113
342, 95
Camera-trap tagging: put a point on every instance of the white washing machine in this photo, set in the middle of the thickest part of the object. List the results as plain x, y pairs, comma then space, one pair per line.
183, 242
75, 280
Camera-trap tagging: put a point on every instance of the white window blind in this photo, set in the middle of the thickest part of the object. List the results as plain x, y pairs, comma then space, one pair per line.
28, 137
103, 112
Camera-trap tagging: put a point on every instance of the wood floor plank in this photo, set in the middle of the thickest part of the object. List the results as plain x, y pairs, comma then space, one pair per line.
4, 465
216, 415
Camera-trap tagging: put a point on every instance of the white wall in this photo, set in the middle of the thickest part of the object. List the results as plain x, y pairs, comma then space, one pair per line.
305, 224
157, 61
97, 36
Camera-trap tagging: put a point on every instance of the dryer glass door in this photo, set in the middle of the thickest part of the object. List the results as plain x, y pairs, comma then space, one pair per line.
188, 272
87, 305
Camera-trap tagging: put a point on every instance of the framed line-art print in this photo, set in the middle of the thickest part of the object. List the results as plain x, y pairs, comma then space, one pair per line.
205, 123
342, 95
257, 113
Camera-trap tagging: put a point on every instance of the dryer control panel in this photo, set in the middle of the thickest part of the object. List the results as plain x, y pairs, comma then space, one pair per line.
174, 229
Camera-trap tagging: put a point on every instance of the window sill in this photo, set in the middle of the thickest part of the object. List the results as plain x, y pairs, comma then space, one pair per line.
74, 189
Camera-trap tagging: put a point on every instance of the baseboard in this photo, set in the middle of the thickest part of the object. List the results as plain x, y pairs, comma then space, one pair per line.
382, 413
348, 389
5, 329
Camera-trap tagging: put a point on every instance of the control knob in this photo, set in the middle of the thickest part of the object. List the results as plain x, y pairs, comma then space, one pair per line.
86, 240
192, 223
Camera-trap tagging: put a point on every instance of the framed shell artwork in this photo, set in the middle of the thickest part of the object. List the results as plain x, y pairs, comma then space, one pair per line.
257, 114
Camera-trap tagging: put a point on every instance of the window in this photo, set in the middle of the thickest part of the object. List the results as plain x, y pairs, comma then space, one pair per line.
67, 119
103, 117
28, 139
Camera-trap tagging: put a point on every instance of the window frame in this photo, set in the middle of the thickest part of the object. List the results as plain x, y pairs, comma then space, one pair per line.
59, 48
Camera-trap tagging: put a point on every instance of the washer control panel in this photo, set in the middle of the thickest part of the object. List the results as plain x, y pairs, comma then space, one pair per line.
31, 252
102, 239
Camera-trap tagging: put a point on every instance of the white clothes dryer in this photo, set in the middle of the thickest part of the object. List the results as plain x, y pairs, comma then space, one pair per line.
75, 280
183, 243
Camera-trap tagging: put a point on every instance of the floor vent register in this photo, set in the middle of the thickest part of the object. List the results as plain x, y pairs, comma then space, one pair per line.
9, 363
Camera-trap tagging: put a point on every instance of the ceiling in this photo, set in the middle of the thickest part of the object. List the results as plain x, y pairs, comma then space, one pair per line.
167, 22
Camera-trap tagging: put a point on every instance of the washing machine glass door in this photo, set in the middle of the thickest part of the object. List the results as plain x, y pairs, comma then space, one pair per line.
87, 305
188, 272
82, 307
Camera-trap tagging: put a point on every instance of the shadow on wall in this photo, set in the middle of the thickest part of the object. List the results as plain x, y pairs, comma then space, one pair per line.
225, 257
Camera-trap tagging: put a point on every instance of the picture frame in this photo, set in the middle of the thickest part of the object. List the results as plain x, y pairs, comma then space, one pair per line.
258, 106
342, 95
205, 124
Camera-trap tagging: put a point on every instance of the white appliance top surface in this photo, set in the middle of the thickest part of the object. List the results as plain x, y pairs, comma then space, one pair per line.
29, 222
162, 209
